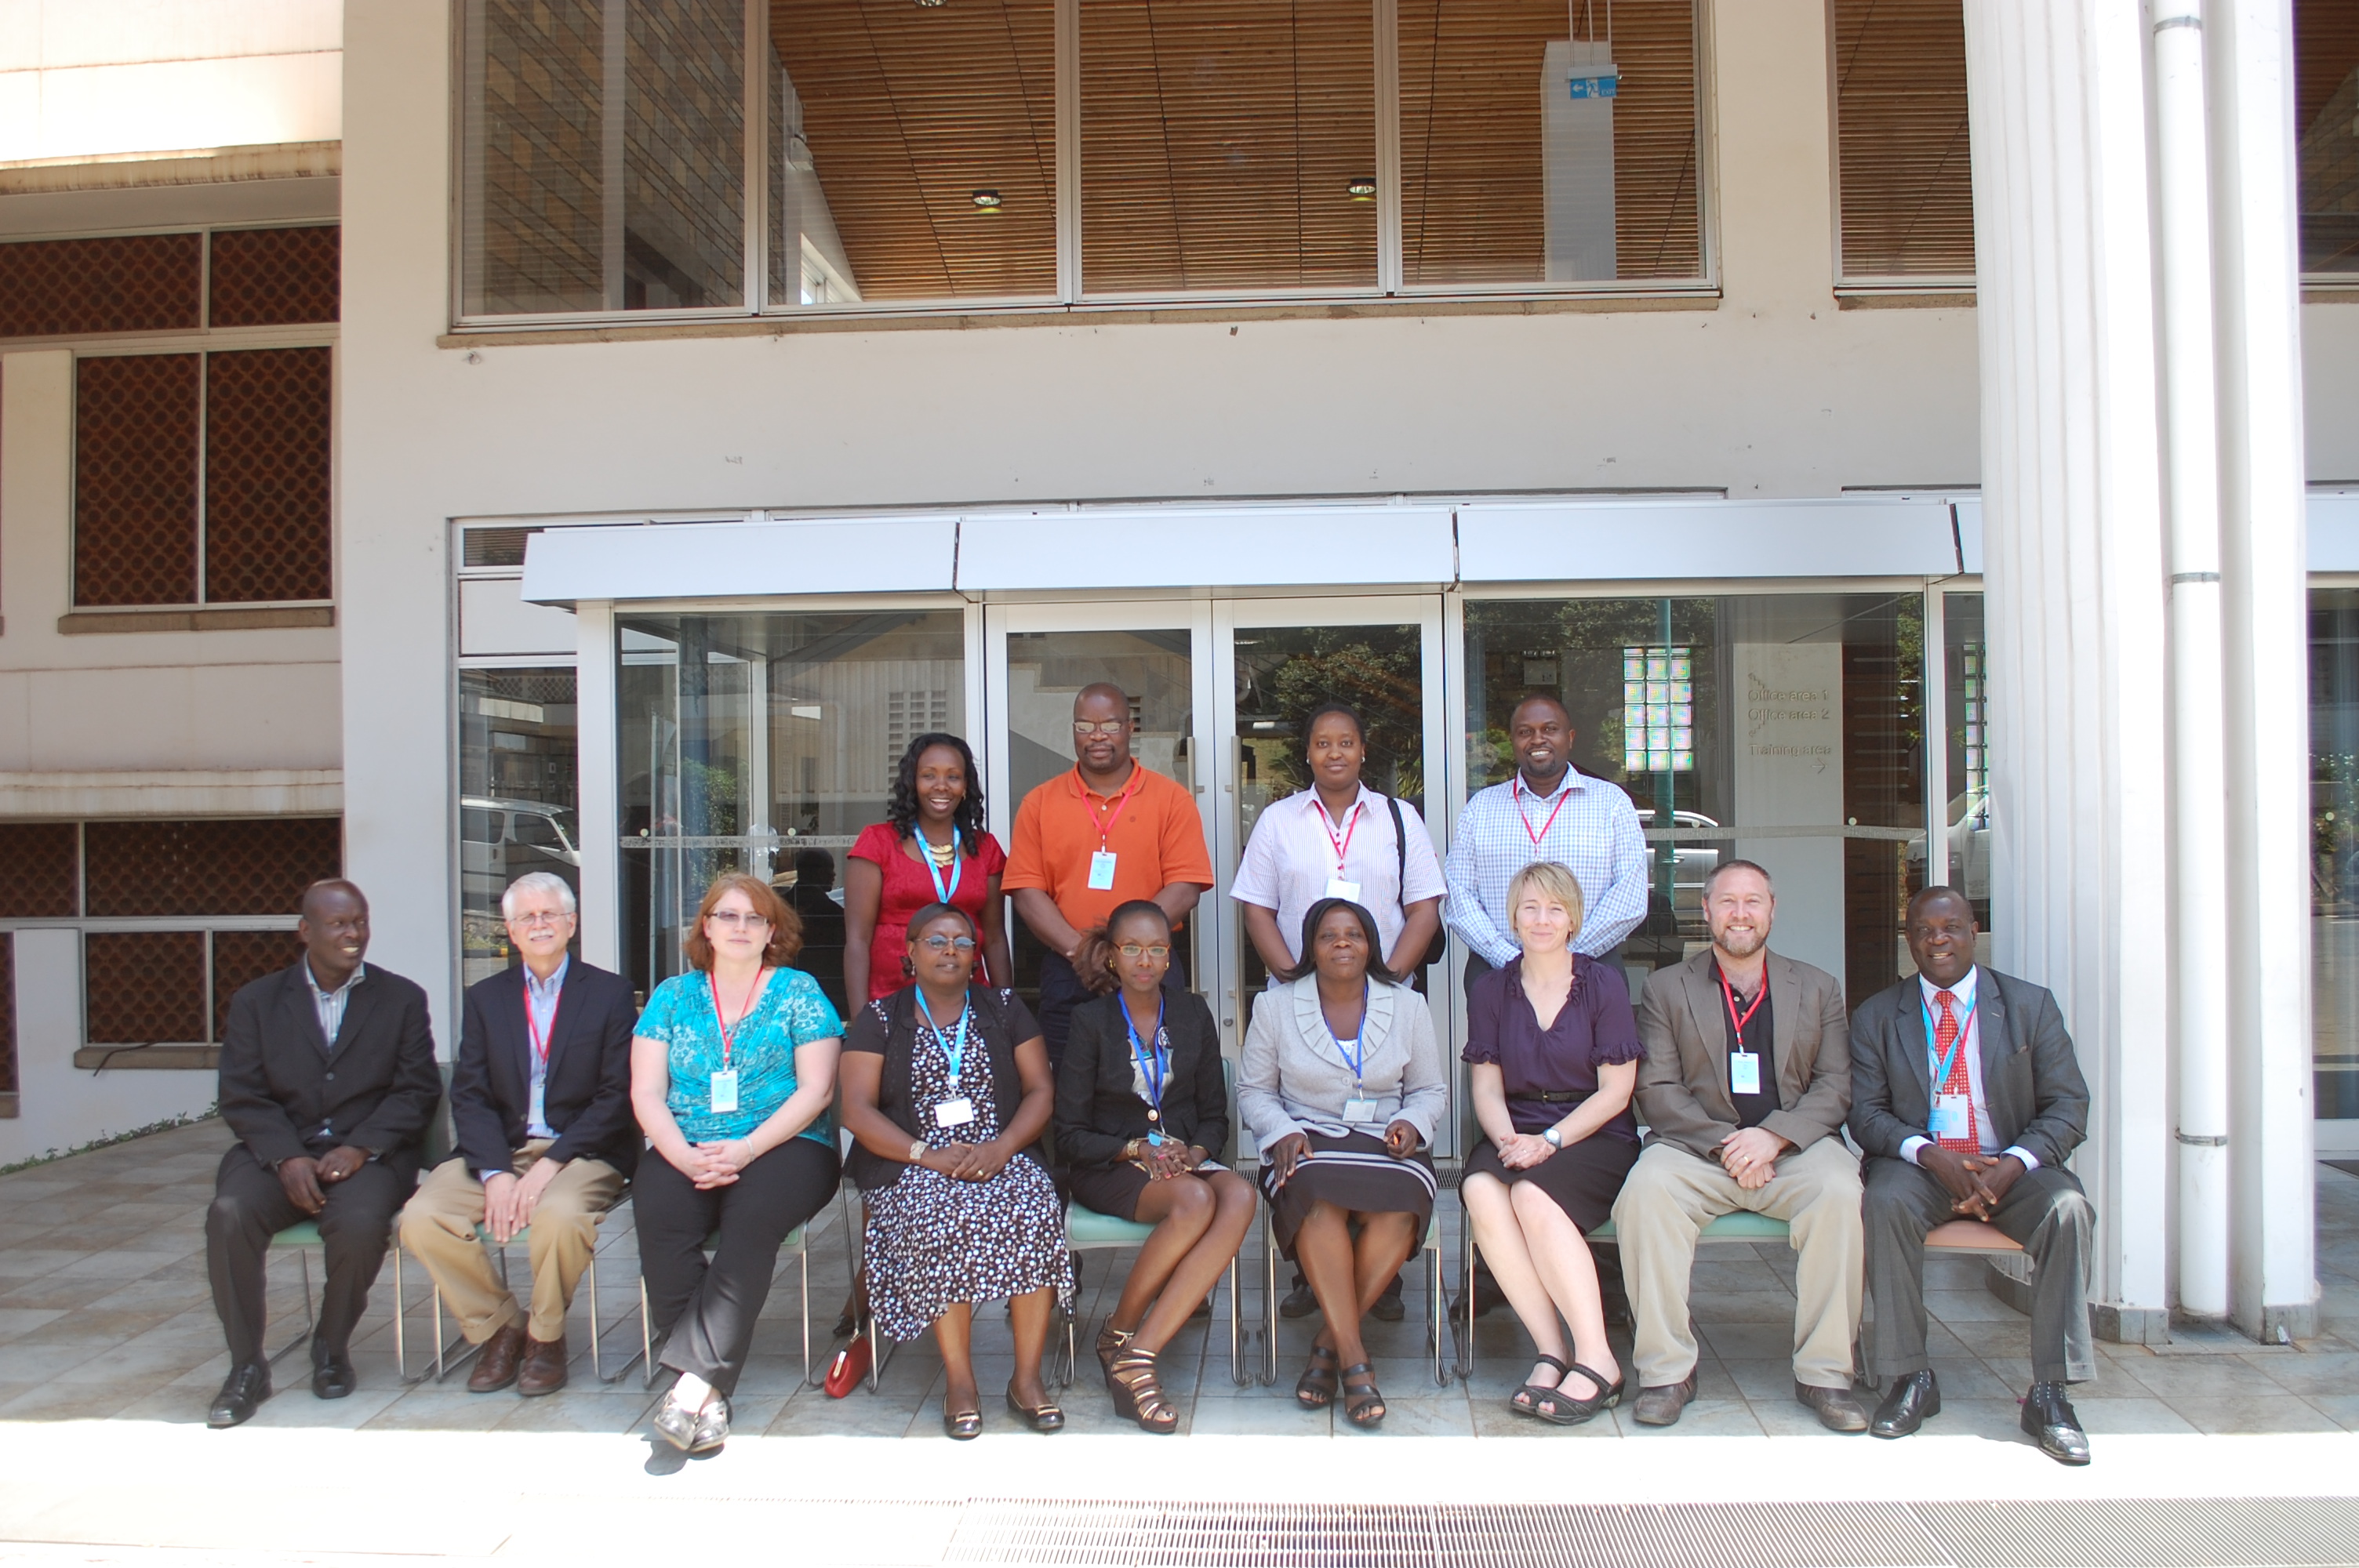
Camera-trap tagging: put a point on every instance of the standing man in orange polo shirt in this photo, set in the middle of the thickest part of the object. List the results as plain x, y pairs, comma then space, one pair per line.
1109, 831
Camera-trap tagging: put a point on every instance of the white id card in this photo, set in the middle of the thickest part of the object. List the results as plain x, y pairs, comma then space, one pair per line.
1359, 1112
1744, 1072
1338, 887
1102, 871
1950, 1116
724, 1092
954, 1112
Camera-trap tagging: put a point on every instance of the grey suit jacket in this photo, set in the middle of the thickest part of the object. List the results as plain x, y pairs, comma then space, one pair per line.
1293, 1077
1683, 1083
2032, 1079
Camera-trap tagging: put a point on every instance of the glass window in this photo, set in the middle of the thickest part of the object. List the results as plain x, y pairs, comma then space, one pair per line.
1539, 146
2334, 848
605, 167
2326, 123
912, 151
1904, 178
1228, 145
1794, 738
761, 743
518, 788
1967, 664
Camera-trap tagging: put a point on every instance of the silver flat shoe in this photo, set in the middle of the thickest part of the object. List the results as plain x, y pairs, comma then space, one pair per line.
712, 1427
676, 1425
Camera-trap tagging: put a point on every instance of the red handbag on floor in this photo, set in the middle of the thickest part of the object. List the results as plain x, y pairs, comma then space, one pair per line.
850, 1366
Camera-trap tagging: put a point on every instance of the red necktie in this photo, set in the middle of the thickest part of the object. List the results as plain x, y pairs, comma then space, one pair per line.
1945, 1035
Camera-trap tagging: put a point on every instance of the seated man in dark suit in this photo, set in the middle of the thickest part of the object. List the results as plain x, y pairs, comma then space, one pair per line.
1968, 1100
542, 1101
328, 1079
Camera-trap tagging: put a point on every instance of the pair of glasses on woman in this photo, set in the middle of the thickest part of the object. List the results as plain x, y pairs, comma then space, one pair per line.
1133, 952
941, 944
737, 920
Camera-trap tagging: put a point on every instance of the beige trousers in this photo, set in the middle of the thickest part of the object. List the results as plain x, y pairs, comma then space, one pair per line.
1671, 1195
439, 1229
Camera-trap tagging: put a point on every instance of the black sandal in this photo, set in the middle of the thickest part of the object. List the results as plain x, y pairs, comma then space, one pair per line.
1525, 1399
1138, 1393
1559, 1411
1315, 1390
1041, 1418
1363, 1405
961, 1424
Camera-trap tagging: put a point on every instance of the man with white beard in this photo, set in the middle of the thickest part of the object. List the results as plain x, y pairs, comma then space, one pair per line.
1743, 1090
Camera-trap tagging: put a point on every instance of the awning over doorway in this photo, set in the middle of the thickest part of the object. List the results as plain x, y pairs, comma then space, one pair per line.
1576, 541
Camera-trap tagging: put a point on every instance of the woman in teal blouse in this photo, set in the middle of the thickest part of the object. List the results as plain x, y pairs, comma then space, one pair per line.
733, 1069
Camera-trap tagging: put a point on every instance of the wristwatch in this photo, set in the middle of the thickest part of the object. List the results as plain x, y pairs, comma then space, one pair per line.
1552, 1138
916, 1150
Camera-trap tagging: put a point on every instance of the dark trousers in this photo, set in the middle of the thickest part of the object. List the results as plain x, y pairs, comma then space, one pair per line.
704, 1311
1062, 991
250, 1207
2045, 1211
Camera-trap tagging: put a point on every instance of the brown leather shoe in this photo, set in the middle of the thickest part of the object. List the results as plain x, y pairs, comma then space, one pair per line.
1660, 1406
496, 1363
1838, 1410
544, 1367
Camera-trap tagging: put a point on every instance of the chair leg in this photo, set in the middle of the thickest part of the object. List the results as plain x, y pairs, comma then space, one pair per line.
400, 1302
595, 1370
647, 1337
1466, 1284
1270, 1302
1238, 1375
310, 1321
1437, 1323
802, 1255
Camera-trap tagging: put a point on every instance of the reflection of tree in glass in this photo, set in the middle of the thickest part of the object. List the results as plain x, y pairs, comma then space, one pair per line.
1584, 639
1288, 673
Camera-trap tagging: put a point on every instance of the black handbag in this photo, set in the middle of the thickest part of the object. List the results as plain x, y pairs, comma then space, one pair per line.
1441, 943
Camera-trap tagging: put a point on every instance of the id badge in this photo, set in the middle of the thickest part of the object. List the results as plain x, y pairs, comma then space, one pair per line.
954, 1112
1744, 1072
1102, 871
1359, 1112
1338, 887
1950, 1116
724, 1092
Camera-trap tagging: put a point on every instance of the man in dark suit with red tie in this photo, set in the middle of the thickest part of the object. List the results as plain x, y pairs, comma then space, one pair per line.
1968, 1100
328, 1079
540, 1100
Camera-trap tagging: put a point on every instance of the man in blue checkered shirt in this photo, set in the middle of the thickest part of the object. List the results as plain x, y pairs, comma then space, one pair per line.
1545, 812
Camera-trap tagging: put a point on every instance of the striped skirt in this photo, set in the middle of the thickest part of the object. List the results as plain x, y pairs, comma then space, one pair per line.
1355, 1174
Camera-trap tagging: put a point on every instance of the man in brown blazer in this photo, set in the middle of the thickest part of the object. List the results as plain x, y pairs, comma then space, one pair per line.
1743, 1090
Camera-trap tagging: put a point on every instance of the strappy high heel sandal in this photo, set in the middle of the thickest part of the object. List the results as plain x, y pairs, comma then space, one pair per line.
1525, 1399
1363, 1405
1110, 1343
1315, 1390
1138, 1393
1558, 1409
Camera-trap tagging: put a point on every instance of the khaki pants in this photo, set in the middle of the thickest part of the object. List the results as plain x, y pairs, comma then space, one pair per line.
1669, 1199
439, 1229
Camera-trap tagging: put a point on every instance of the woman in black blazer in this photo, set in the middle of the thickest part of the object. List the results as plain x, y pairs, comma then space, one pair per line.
1141, 1108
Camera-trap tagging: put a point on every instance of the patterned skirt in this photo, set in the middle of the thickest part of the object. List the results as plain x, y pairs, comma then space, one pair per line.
1354, 1172
933, 1242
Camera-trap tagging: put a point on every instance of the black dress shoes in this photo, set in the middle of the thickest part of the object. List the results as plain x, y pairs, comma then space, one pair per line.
2048, 1416
1913, 1400
331, 1375
240, 1396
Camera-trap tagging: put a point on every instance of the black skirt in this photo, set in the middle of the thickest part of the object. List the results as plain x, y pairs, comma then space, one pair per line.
1583, 1178
1354, 1172
1114, 1190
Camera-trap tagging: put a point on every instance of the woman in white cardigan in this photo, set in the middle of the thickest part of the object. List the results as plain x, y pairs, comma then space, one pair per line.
1342, 1086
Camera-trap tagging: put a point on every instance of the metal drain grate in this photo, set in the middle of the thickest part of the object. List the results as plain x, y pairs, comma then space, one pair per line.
2236, 1532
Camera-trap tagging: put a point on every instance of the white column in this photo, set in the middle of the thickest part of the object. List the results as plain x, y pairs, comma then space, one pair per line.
2249, 58
2074, 568
595, 736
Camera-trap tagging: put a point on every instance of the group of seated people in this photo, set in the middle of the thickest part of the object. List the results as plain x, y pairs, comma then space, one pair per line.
719, 1107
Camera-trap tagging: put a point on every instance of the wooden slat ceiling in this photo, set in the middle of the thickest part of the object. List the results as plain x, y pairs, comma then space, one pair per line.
1907, 180
1470, 191
1218, 139
2326, 124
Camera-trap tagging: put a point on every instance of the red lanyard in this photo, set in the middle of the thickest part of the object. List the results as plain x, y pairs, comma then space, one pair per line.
532, 1029
751, 991
1342, 845
1563, 794
1105, 824
1728, 993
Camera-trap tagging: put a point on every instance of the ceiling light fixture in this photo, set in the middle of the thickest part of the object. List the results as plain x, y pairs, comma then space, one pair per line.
1361, 190
928, 5
988, 201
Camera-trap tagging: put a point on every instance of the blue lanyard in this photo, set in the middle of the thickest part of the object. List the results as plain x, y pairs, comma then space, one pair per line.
1941, 1071
1154, 1061
1356, 1059
941, 893
954, 1051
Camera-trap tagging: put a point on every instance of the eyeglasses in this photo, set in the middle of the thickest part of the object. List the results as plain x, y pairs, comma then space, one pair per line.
1133, 952
735, 919
941, 944
539, 918
1109, 727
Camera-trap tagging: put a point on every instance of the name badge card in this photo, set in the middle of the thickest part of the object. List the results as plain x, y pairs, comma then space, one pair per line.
1338, 887
1744, 1072
1102, 871
954, 1112
724, 1092
1951, 1115
1359, 1112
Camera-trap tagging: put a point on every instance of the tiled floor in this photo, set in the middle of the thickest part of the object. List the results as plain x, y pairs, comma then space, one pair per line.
105, 1312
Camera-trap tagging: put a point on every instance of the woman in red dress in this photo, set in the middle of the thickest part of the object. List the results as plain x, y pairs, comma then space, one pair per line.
930, 848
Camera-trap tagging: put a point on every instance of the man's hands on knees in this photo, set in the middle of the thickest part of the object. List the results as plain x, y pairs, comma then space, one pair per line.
509, 1200
1993, 1177
300, 1177
1750, 1155
1956, 1174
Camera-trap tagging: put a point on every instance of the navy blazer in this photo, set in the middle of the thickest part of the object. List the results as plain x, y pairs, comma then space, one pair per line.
280, 1085
587, 1100
2032, 1079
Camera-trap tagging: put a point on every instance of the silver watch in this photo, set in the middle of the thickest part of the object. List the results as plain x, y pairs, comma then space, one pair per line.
1552, 1138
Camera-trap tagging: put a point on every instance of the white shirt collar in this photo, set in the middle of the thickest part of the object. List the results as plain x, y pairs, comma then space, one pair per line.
1516, 786
1311, 802
543, 990
1963, 991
